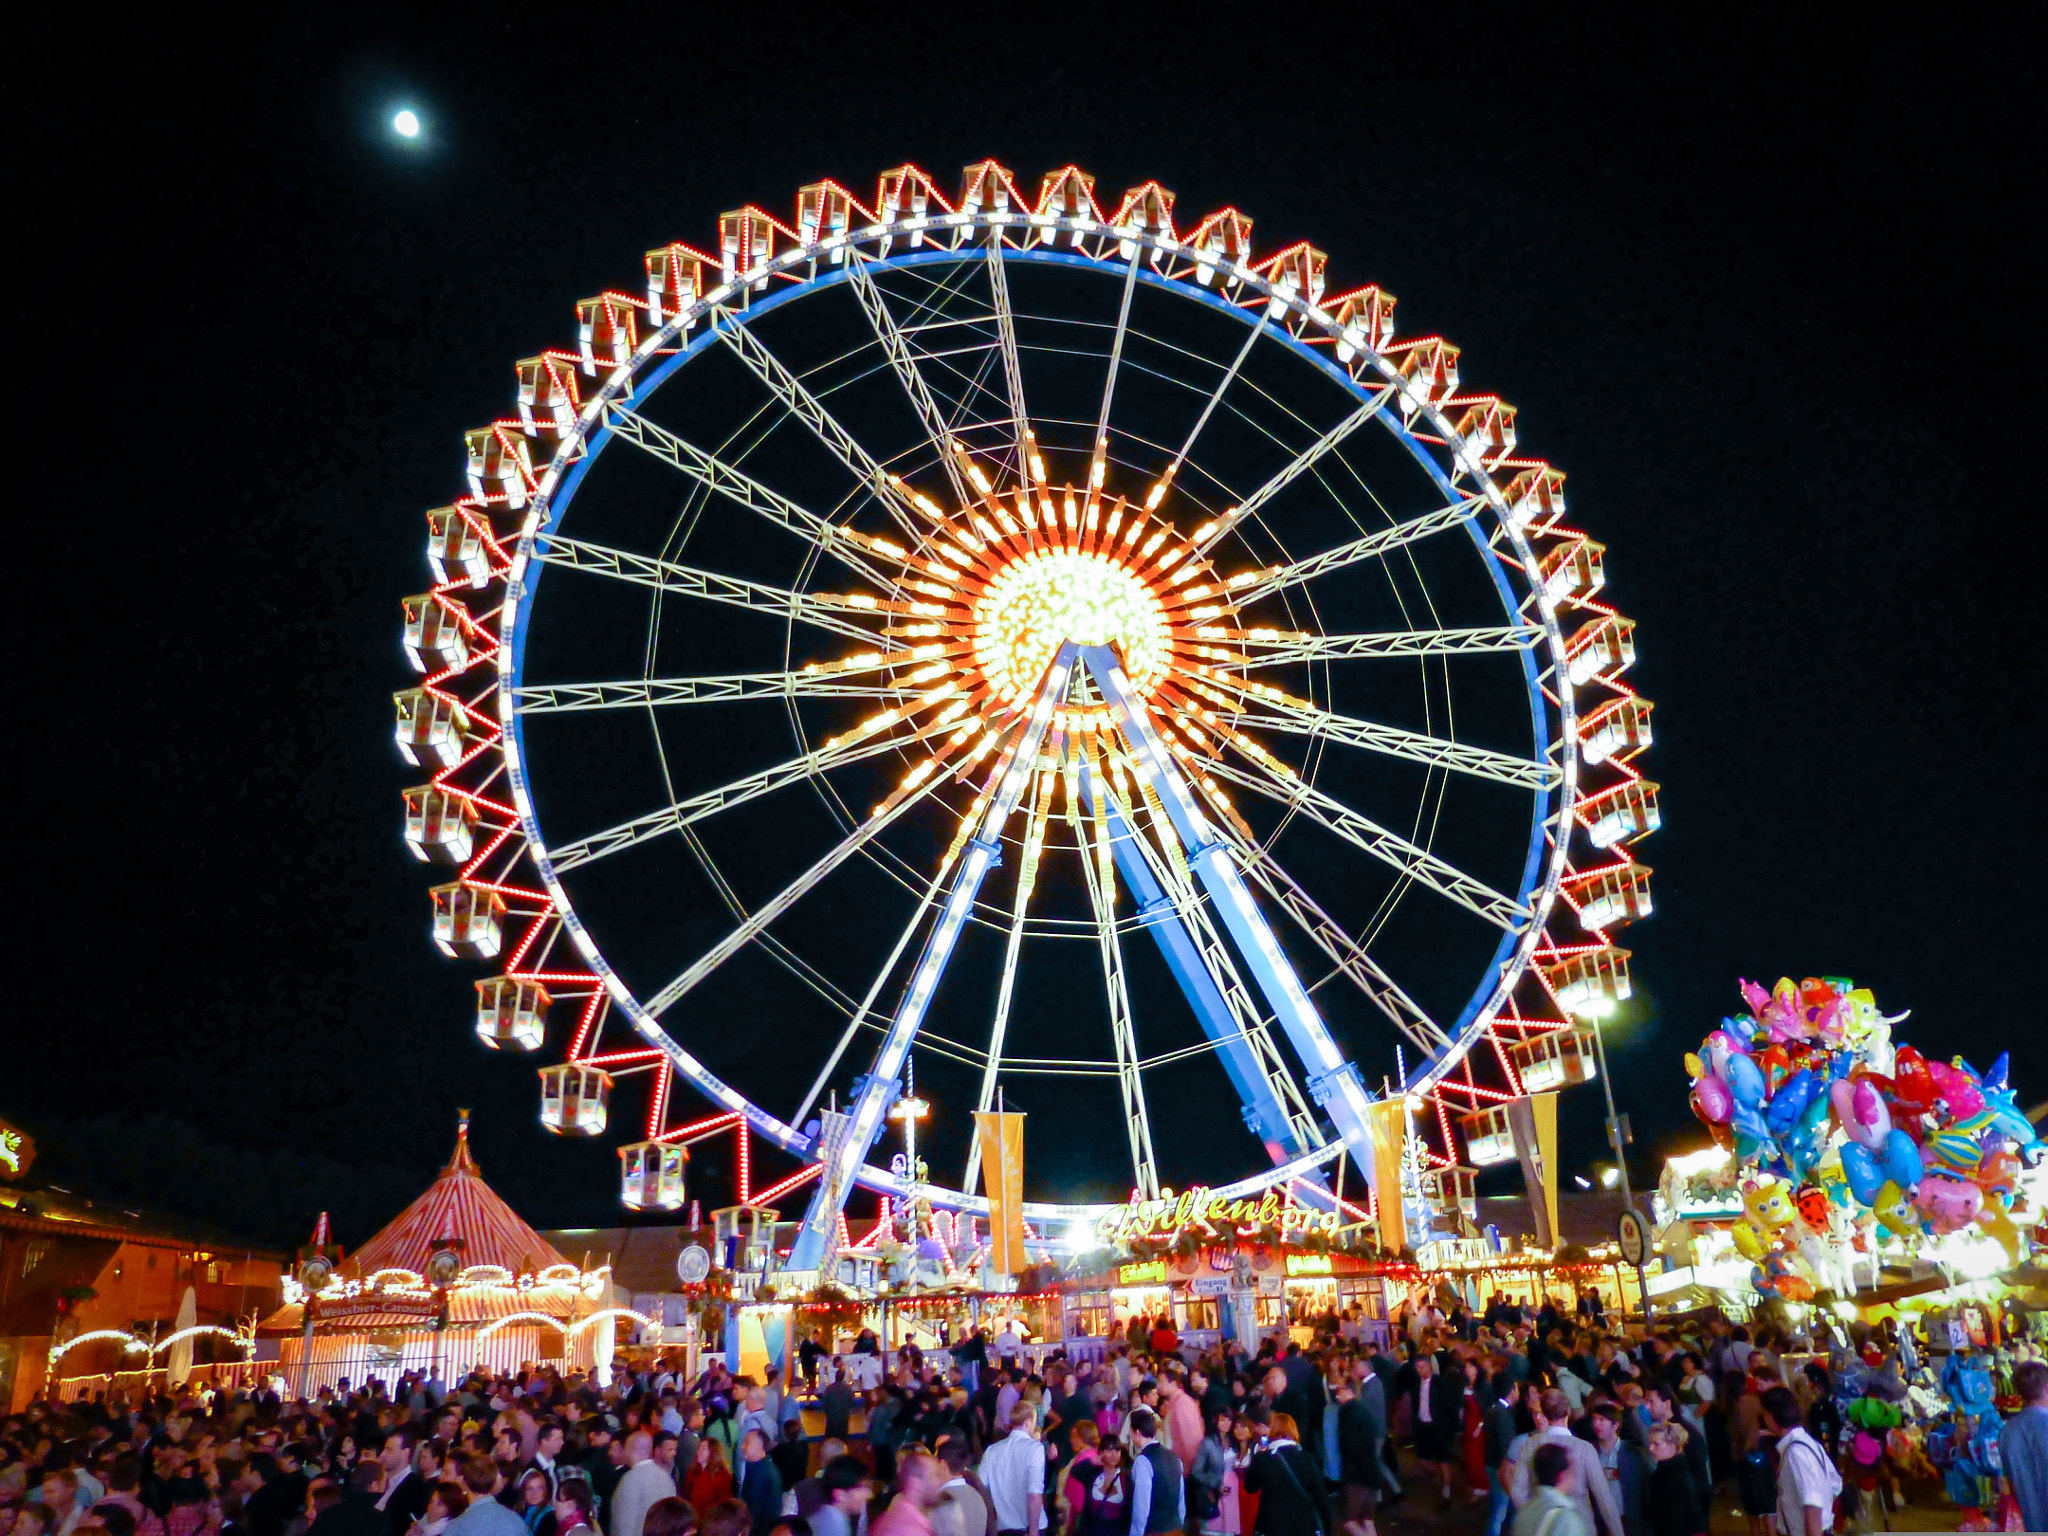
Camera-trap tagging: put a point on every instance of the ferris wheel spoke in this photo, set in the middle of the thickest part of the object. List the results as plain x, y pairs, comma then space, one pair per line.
1099, 871
682, 813
1013, 371
731, 687
1370, 547
820, 610
1215, 398
1020, 903
1282, 650
807, 408
1295, 468
716, 475
1100, 447
904, 364
862, 1017
1327, 934
1266, 712
1416, 864
890, 811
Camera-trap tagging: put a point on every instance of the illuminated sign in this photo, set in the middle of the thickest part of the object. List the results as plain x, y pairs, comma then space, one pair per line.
1308, 1264
1149, 1272
1199, 1208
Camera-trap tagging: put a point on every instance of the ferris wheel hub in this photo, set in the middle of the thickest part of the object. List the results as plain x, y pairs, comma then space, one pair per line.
1040, 570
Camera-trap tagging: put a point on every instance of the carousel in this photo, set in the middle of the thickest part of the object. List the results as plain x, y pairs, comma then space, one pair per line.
457, 1282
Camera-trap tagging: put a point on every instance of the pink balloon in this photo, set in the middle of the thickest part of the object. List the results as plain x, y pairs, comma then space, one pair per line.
1950, 1204
1712, 1100
1862, 1113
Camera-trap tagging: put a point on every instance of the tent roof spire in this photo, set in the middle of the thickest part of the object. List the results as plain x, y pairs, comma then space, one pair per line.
458, 1205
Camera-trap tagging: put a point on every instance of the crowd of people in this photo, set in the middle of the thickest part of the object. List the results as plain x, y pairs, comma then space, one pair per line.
1540, 1421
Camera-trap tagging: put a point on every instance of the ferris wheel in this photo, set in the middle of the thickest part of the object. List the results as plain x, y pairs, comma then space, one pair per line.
963, 625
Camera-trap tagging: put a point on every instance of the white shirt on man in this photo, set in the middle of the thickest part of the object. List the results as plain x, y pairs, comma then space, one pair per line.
1013, 1469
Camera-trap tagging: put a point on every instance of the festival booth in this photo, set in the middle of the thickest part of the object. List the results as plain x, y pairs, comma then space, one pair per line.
1854, 1182
458, 1282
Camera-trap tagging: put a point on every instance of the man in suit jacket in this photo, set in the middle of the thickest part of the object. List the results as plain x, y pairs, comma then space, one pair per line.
405, 1495
1358, 1451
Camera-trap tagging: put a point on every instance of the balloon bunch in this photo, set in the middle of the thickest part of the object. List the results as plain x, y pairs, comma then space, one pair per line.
1830, 1122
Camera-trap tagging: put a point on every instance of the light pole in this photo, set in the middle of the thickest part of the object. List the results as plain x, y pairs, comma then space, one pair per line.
1616, 1140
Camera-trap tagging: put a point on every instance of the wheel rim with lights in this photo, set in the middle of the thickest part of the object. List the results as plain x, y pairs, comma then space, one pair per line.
1071, 621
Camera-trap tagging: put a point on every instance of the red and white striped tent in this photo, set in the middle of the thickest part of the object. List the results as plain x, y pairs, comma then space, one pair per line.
514, 1301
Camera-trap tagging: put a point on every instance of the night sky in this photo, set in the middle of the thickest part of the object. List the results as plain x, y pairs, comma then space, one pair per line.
1764, 296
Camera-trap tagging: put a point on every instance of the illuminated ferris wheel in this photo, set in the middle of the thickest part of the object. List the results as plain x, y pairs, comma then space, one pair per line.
970, 625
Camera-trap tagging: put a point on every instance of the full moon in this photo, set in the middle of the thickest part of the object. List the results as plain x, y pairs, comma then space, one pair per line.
407, 124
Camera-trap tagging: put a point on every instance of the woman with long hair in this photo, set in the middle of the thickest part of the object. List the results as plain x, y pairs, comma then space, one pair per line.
1219, 1447
536, 1501
1080, 1475
1472, 1428
575, 1502
1244, 1445
444, 1503
709, 1480
1293, 1498
1108, 1511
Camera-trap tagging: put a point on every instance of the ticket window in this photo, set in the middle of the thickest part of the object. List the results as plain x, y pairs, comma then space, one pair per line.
1308, 1300
1365, 1294
1089, 1315
1195, 1314
1272, 1311
1139, 1301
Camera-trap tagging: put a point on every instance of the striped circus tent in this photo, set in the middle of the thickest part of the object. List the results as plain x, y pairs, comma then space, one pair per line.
458, 1281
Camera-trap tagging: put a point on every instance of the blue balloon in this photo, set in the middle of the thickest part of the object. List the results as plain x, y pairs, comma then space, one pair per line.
1790, 1101
1745, 1081
1866, 1173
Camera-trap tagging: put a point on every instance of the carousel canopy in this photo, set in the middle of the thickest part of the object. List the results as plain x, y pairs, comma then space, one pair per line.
459, 1205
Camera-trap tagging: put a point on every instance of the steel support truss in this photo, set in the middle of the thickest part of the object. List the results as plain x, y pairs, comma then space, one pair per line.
1275, 1108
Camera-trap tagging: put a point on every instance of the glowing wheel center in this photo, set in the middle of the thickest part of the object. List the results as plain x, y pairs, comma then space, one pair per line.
1035, 603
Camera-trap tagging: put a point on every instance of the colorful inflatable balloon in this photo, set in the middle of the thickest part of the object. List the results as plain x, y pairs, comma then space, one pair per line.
1842, 1133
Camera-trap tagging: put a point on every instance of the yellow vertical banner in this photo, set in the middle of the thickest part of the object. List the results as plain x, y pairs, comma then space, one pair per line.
1533, 1123
1002, 1179
1545, 1106
1389, 1122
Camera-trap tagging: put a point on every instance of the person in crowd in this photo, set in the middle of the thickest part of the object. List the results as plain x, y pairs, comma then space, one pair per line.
1107, 1508
920, 1483
1807, 1482
1550, 1417
1293, 1498
1556, 1507
1673, 1503
670, 1517
1080, 1474
1158, 1486
1436, 1413
1206, 1473
1013, 1471
644, 1482
961, 1510
575, 1507
445, 1500
760, 1483
1500, 1432
837, 1402
2023, 1445
536, 1503
1624, 1464
707, 1480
